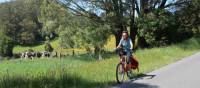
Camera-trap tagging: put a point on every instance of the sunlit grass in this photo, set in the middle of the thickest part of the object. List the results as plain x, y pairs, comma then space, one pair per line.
109, 45
19, 49
83, 71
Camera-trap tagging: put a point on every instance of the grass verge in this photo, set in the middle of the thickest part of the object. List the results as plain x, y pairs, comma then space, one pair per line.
83, 72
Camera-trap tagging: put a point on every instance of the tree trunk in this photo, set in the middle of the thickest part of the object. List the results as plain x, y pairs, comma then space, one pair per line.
133, 33
133, 27
97, 49
8, 51
143, 7
143, 11
98, 52
162, 5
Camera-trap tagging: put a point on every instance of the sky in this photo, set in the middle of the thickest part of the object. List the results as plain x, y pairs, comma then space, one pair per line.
168, 1
3, 1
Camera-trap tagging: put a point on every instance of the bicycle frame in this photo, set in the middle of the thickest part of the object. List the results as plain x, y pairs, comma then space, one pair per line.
123, 61
124, 68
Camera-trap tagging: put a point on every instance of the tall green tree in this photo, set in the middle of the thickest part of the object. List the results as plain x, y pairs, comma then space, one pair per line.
52, 15
189, 15
82, 32
118, 13
21, 18
6, 43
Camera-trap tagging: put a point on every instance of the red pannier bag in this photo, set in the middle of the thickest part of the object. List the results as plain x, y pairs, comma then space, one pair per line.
134, 63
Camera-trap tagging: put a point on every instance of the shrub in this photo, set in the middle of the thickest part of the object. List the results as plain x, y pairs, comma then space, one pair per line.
160, 27
6, 43
48, 46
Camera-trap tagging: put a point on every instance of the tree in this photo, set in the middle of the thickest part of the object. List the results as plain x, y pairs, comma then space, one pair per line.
20, 17
48, 46
161, 27
84, 33
118, 13
19, 24
6, 43
27, 38
189, 15
52, 15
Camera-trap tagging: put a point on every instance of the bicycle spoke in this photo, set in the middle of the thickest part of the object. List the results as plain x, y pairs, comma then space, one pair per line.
120, 73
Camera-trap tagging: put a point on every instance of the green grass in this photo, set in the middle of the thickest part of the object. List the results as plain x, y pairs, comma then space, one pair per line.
19, 49
54, 43
84, 72
110, 45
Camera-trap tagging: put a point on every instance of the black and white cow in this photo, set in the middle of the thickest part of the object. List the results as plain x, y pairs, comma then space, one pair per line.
29, 55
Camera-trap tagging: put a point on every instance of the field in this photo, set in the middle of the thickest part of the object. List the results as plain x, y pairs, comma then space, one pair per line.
82, 71
40, 47
109, 46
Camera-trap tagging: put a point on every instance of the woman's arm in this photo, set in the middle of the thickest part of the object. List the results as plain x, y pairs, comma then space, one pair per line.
131, 43
120, 43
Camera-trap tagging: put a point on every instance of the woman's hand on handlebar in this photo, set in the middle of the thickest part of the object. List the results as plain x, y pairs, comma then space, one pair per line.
118, 47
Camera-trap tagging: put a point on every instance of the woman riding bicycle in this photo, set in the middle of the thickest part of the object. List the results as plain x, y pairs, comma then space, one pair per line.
127, 45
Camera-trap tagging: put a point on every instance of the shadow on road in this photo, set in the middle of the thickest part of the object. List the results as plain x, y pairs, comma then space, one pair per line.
136, 85
132, 84
143, 76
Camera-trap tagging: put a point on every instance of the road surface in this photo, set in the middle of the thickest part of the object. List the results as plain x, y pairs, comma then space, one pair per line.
182, 74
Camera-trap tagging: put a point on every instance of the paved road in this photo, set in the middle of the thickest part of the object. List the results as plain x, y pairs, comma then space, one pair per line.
182, 74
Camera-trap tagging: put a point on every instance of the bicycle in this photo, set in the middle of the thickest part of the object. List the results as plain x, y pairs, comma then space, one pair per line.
122, 67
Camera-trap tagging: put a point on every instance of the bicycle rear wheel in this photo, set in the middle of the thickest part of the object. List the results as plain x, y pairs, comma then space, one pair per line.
130, 74
120, 73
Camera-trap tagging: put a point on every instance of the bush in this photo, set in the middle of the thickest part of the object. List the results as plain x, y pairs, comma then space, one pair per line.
27, 38
30, 50
6, 43
6, 46
48, 46
160, 28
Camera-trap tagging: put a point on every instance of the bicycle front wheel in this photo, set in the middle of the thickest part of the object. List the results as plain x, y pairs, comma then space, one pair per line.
120, 73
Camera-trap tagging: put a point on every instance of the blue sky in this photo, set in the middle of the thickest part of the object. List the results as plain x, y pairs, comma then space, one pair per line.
3, 0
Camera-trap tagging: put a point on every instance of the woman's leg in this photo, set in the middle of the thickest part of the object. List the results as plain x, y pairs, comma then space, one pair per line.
129, 57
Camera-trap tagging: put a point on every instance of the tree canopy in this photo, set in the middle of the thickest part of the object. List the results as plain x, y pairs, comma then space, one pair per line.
89, 23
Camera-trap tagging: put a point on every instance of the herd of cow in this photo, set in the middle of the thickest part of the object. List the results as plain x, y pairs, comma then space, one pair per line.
31, 55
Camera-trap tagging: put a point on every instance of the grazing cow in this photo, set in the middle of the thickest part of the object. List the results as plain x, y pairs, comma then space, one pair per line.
22, 55
38, 54
27, 55
31, 55
46, 54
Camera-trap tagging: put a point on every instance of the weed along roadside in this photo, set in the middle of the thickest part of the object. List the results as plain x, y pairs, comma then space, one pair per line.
79, 72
